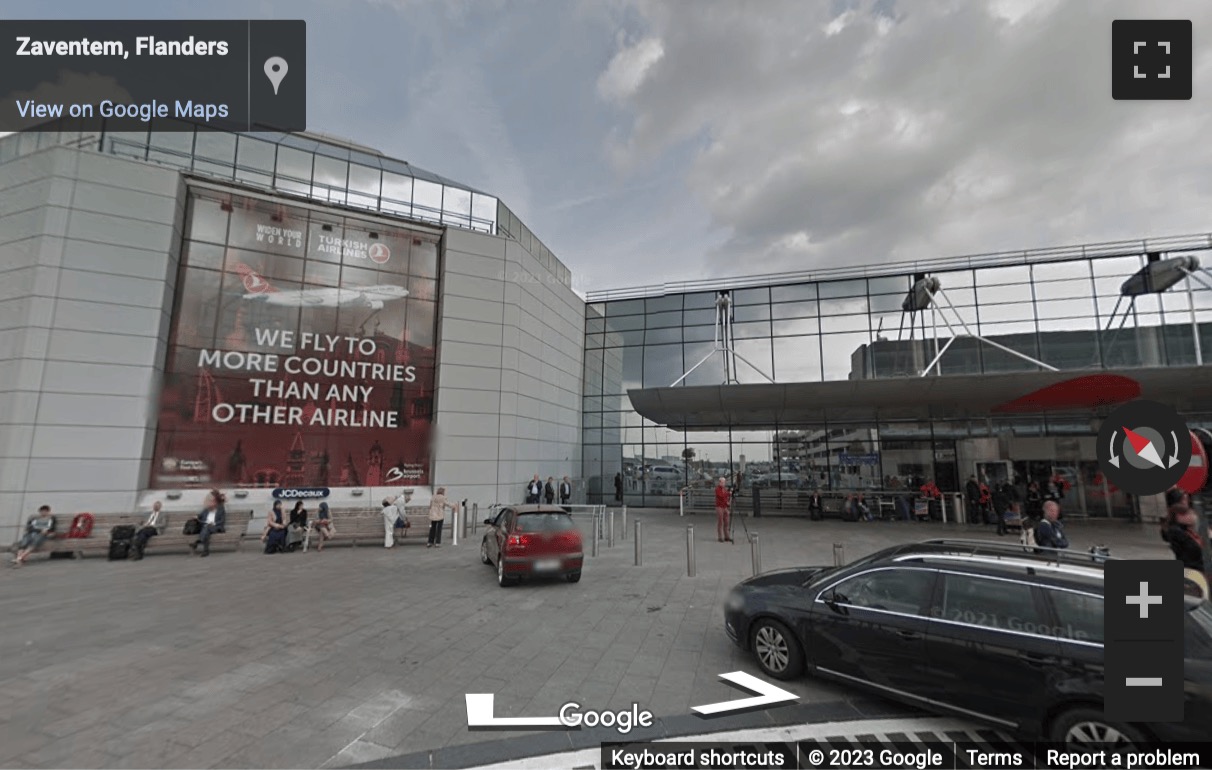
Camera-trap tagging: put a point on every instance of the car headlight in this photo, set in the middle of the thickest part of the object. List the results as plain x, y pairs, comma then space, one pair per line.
736, 600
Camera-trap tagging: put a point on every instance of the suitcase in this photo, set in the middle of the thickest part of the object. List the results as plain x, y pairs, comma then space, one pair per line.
122, 532
119, 549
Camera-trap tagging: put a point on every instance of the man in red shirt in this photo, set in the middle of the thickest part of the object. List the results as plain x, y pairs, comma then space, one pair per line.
723, 498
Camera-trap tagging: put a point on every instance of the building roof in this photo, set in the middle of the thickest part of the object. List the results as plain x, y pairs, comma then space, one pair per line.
918, 399
849, 270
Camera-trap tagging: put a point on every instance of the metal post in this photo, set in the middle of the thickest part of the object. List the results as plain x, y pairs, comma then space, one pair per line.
610, 542
839, 554
595, 535
682, 502
689, 549
475, 517
639, 546
623, 531
454, 527
466, 522
755, 552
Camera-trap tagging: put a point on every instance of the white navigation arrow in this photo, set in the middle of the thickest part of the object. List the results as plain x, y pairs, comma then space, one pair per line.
479, 714
768, 695
1174, 456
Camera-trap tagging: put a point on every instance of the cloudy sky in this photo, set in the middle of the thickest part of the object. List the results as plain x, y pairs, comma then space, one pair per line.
647, 141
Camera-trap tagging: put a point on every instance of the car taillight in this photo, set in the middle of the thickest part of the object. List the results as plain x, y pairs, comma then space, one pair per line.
519, 541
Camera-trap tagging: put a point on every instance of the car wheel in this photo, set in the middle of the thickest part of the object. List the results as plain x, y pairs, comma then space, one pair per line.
502, 580
1087, 727
484, 552
777, 651
574, 577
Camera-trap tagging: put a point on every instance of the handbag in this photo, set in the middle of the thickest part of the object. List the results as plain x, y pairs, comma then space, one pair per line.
401, 522
192, 527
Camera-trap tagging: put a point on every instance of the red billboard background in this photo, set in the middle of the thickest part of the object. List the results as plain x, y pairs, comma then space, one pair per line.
302, 350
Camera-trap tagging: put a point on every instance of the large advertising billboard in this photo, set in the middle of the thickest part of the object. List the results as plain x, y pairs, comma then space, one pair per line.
302, 350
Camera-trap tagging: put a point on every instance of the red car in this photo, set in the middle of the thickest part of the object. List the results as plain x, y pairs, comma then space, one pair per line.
532, 541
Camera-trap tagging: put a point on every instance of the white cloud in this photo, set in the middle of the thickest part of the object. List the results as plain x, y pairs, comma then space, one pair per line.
629, 68
933, 128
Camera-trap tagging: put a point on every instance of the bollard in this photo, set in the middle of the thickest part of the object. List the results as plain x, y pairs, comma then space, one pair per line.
755, 552
595, 535
690, 550
610, 541
639, 546
475, 517
839, 554
601, 520
454, 526
466, 522
623, 533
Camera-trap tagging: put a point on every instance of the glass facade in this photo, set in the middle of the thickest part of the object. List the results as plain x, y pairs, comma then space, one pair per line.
1054, 307
312, 166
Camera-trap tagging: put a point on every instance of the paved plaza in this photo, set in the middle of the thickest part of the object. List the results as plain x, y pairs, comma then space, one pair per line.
355, 656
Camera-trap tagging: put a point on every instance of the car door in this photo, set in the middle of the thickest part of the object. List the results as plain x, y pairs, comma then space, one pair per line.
991, 648
1078, 626
496, 536
871, 628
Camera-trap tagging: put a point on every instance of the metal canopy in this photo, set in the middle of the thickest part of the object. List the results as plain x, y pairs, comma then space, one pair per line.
806, 404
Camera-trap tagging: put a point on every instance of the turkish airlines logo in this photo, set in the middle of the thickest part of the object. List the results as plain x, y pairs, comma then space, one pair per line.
379, 253
255, 284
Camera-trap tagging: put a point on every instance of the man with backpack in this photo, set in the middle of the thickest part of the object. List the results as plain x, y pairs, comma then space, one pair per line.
1050, 533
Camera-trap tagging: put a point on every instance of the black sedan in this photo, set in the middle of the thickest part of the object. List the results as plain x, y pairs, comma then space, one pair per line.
983, 631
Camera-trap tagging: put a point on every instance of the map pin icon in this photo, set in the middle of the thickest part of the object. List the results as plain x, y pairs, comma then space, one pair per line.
275, 70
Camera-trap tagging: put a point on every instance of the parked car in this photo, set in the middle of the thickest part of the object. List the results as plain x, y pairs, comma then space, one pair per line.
981, 630
532, 541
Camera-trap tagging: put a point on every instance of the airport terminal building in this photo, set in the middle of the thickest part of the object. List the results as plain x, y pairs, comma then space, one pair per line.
182, 310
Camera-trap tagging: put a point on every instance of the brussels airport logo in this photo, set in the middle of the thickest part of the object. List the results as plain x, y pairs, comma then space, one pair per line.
379, 253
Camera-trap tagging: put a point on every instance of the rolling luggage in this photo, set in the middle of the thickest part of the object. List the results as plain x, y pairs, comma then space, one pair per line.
121, 539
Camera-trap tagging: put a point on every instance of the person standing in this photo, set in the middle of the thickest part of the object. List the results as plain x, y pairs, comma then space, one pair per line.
212, 519
549, 491
37, 530
723, 501
1050, 533
437, 516
565, 491
150, 528
1179, 530
534, 490
390, 514
618, 487
972, 491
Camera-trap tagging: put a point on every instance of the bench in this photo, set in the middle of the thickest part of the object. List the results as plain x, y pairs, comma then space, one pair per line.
97, 543
172, 535
356, 527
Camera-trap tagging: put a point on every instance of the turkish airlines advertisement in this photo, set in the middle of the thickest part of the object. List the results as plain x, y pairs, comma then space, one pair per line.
302, 351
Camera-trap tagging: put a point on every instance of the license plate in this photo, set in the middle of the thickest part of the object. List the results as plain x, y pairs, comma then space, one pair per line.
546, 565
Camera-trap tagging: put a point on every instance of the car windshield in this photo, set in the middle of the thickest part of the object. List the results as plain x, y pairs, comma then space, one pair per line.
544, 522
1199, 632
826, 573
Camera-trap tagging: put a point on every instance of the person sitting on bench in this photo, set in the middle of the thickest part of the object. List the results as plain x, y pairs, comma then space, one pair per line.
323, 525
150, 528
36, 531
212, 519
274, 535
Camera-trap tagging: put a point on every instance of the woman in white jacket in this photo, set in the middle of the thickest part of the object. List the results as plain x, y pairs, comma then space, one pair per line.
437, 515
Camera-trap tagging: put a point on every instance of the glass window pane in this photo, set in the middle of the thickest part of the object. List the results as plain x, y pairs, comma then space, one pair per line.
659, 304
796, 310
662, 365
750, 296
699, 317
625, 307
624, 323
751, 330
751, 313
906, 591
215, 153
172, 147
293, 170
1080, 616
754, 361
207, 219
843, 306
712, 370
427, 200
1002, 276
796, 326
254, 161
397, 194
330, 179
853, 288
699, 300
663, 335
662, 320
843, 356
890, 284
998, 604
797, 359
1062, 271
844, 323
483, 212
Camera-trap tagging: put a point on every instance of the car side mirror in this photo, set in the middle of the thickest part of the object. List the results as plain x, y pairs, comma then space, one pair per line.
835, 601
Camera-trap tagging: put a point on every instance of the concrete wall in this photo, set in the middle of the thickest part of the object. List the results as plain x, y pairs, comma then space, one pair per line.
88, 264
510, 361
